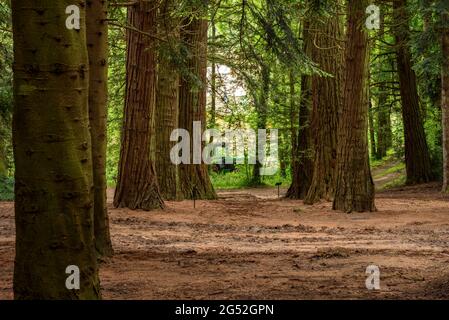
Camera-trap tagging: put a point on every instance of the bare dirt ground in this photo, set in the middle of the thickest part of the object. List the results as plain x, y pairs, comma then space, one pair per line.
251, 245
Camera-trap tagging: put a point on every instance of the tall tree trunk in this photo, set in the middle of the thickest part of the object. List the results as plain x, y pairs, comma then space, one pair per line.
383, 125
417, 158
52, 153
372, 132
194, 178
302, 164
283, 153
294, 125
97, 46
354, 187
383, 128
137, 186
326, 100
445, 102
213, 78
167, 102
262, 114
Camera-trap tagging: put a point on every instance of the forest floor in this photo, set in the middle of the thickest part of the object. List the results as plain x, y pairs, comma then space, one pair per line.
388, 174
249, 244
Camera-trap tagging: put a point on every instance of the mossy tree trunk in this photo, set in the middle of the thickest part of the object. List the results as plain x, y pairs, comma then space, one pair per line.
137, 186
354, 185
52, 152
97, 46
194, 178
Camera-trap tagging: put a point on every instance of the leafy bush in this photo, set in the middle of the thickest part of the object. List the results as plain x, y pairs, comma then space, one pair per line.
6, 189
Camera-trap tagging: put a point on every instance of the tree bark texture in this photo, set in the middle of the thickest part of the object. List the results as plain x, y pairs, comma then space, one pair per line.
137, 186
354, 184
97, 46
417, 158
302, 165
326, 106
167, 102
52, 152
194, 178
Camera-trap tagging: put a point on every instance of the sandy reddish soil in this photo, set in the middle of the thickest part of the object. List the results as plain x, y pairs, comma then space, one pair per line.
250, 245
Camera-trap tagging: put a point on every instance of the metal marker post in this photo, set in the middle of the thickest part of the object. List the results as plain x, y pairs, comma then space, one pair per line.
279, 185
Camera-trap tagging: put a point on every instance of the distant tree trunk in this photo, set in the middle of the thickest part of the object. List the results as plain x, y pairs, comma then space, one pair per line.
52, 152
97, 45
294, 124
167, 102
283, 153
137, 186
262, 114
213, 79
417, 158
383, 126
445, 103
302, 164
326, 100
354, 187
372, 132
194, 178
427, 15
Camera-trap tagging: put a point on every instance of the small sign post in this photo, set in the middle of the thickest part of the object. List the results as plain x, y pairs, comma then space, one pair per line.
279, 185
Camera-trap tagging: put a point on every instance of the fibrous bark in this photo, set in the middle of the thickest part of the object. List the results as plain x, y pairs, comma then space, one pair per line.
326, 106
194, 178
167, 102
137, 186
354, 185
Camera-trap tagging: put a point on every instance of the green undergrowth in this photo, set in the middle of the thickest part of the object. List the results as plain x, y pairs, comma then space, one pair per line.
395, 183
396, 168
241, 178
6, 188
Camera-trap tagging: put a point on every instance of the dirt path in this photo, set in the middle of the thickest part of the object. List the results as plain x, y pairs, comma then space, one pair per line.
382, 177
251, 245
